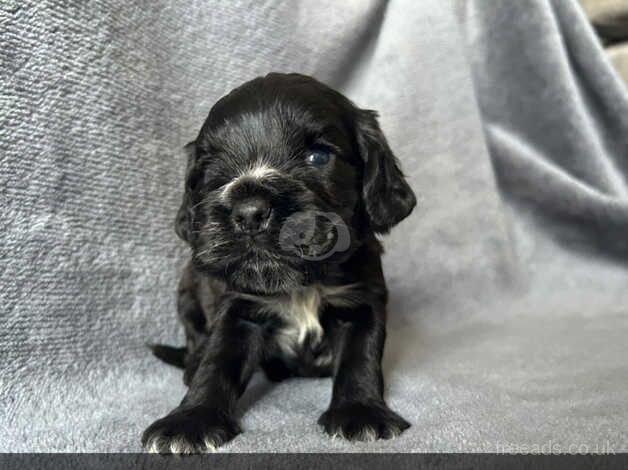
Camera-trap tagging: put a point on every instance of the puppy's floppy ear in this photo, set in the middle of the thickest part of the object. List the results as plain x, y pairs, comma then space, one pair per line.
388, 199
185, 216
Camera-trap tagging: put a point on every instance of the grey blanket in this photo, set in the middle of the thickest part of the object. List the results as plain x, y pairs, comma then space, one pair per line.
509, 298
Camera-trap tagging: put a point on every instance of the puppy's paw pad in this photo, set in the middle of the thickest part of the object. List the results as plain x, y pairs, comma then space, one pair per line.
362, 422
189, 431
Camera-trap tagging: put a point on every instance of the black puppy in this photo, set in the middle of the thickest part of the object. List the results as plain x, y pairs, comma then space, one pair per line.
287, 185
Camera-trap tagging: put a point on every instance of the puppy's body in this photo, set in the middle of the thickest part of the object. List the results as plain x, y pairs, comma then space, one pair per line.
287, 185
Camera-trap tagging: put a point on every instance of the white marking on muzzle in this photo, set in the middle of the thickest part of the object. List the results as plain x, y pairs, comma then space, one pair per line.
257, 172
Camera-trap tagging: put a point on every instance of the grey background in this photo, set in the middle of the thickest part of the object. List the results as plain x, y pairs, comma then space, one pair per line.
508, 313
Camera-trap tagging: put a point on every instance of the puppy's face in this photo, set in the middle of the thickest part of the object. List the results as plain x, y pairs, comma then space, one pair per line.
286, 177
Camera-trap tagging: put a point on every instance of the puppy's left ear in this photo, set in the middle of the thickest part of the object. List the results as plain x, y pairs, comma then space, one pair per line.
388, 199
185, 216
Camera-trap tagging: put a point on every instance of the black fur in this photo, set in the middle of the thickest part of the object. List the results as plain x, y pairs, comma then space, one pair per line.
300, 292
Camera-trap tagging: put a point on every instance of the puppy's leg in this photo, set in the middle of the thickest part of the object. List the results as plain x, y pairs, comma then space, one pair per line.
205, 419
198, 296
191, 311
196, 311
357, 410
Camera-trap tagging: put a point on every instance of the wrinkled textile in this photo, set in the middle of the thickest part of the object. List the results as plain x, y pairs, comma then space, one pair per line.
509, 308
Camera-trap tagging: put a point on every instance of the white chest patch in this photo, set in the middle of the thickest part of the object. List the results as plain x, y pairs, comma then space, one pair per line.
300, 313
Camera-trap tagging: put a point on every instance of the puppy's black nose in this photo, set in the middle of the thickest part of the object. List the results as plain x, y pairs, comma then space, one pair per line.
251, 215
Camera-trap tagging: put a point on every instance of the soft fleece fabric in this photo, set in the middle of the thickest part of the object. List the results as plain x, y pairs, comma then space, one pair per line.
509, 283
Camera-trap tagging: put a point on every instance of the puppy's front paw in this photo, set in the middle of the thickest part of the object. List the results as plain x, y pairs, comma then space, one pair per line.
363, 422
189, 431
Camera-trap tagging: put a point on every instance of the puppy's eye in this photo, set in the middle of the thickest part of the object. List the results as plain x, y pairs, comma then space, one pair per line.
318, 156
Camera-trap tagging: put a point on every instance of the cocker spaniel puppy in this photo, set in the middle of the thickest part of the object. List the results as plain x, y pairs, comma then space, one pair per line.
288, 183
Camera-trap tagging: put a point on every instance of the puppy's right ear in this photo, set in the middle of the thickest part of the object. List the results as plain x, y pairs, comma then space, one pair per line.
185, 217
388, 198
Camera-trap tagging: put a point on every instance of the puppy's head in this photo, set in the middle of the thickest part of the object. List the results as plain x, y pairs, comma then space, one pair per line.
286, 177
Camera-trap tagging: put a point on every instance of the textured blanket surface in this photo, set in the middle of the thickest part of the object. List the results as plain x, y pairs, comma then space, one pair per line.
509, 299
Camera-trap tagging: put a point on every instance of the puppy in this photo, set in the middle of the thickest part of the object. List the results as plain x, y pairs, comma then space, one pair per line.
288, 183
